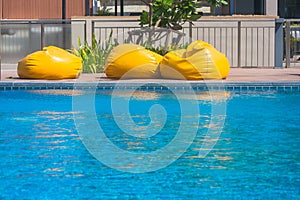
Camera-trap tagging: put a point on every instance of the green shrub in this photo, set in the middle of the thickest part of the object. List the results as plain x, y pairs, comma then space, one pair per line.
163, 51
104, 12
173, 13
94, 56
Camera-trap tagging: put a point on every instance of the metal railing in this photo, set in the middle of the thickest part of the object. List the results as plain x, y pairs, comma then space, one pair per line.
22, 37
120, 32
292, 43
245, 43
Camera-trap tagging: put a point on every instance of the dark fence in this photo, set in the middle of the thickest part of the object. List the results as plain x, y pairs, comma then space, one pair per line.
19, 38
22, 37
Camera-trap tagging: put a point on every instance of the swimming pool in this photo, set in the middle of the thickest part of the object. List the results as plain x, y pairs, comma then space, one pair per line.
256, 155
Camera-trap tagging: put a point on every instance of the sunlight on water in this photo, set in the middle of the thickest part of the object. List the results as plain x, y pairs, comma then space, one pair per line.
256, 156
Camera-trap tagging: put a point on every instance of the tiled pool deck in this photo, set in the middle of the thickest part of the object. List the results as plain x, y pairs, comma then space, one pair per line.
239, 78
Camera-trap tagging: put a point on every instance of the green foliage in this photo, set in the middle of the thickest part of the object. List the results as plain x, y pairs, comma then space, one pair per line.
163, 51
295, 24
217, 3
94, 56
173, 13
170, 13
104, 12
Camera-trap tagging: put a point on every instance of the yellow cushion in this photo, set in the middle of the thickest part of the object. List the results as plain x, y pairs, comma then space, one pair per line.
132, 61
199, 61
51, 63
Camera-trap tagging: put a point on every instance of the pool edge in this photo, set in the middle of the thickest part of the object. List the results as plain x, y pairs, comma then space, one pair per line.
152, 85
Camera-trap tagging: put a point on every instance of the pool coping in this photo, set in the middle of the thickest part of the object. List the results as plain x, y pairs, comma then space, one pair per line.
238, 79
235, 75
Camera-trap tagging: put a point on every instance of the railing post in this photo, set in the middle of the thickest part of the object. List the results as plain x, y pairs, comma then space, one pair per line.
279, 43
64, 29
93, 32
85, 34
116, 7
87, 8
287, 44
30, 34
190, 32
239, 44
122, 7
42, 35
63, 10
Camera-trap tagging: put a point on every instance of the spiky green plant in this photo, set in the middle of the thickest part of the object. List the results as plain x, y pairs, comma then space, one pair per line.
94, 56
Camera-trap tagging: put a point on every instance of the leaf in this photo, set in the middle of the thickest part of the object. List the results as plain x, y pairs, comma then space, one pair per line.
194, 17
144, 18
224, 2
79, 42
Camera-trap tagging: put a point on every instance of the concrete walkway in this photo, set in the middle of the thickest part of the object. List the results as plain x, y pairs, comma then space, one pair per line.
236, 75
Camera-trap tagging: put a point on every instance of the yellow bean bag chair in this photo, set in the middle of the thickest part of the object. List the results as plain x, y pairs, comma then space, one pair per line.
51, 63
131, 61
199, 61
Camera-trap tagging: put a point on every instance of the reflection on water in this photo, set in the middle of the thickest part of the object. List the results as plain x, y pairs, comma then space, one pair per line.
184, 94
58, 92
255, 157
137, 95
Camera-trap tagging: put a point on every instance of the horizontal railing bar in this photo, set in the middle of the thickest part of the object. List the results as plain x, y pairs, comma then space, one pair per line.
211, 27
200, 20
219, 27
233, 27
35, 21
107, 20
119, 27
292, 20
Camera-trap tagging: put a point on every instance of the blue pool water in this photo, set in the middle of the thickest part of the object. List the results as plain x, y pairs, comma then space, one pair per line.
257, 155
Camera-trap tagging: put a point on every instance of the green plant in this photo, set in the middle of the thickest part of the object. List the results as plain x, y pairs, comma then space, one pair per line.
94, 56
104, 12
172, 13
217, 3
295, 24
163, 51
